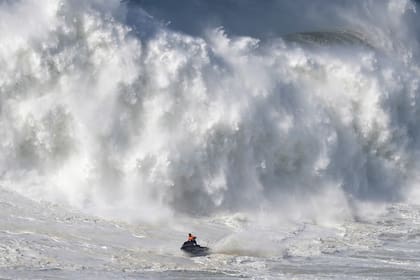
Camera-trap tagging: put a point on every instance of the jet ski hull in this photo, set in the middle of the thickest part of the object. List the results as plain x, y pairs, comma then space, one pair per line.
194, 250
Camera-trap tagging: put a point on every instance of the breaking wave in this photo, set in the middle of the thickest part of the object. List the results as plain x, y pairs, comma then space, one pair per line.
105, 108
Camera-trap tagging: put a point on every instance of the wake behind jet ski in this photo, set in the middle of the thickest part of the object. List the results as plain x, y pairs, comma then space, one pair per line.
192, 248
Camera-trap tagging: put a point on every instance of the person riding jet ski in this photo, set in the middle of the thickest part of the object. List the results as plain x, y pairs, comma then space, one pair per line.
192, 248
192, 239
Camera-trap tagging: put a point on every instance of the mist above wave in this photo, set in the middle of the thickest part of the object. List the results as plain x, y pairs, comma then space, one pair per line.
125, 117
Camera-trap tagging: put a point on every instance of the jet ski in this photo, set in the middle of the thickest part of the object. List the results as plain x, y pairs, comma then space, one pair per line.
194, 249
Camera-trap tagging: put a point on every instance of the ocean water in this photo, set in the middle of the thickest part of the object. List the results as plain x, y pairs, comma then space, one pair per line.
284, 134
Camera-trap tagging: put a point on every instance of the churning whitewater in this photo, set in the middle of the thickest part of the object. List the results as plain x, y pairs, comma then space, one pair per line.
286, 138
